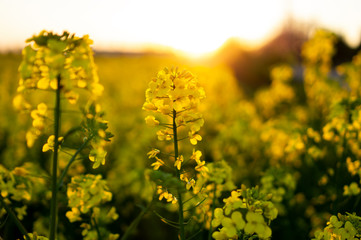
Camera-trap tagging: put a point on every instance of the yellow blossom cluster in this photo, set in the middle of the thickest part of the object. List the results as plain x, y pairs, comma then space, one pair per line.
14, 187
279, 94
340, 227
320, 89
86, 194
282, 145
217, 180
48, 60
50, 56
280, 182
246, 212
175, 96
166, 195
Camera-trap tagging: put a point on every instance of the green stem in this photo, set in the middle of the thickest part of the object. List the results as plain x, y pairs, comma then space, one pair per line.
136, 221
15, 219
61, 178
180, 203
97, 228
213, 207
54, 185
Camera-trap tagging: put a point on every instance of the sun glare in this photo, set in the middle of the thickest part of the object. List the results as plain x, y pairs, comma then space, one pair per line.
195, 27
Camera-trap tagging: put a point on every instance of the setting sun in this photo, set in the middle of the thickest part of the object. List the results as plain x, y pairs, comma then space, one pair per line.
199, 27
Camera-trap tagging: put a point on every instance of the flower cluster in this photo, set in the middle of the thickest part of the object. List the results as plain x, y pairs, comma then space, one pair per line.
282, 144
246, 214
321, 90
86, 194
280, 182
341, 227
211, 185
175, 97
14, 187
62, 63
279, 94
95, 129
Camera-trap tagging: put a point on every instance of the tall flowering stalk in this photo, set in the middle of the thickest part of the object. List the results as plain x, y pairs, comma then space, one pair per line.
61, 68
175, 96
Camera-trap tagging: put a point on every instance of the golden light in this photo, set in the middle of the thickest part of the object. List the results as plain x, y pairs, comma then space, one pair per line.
193, 26
200, 27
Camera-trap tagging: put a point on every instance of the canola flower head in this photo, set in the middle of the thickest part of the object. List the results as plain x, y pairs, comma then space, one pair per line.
15, 187
50, 58
177, 94
86, 196
49, 55
173, 99
340, 227
84, 193
246, 213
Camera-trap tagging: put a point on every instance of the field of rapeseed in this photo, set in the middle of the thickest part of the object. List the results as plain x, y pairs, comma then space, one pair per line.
161, 147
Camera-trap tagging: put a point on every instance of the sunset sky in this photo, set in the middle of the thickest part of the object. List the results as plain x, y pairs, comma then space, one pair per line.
193, 26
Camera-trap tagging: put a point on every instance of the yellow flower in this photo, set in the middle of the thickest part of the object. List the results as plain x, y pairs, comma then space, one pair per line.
43, 83
81, 83
353, 189
232, 202
165, 134
20, 171
153, 153
256, 224
191, 184
221, 235
97, 155
150, 121
157, 163
201, 167
73, 215
50, 143
194, 138
196, 155
218, 217
149, 106
178, 162
166, 195
353, 167
97, 89
31, 136
20, 103
71, 96
113, 214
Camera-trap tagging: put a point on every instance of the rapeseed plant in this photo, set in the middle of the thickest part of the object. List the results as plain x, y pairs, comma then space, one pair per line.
61, 68
175, 96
